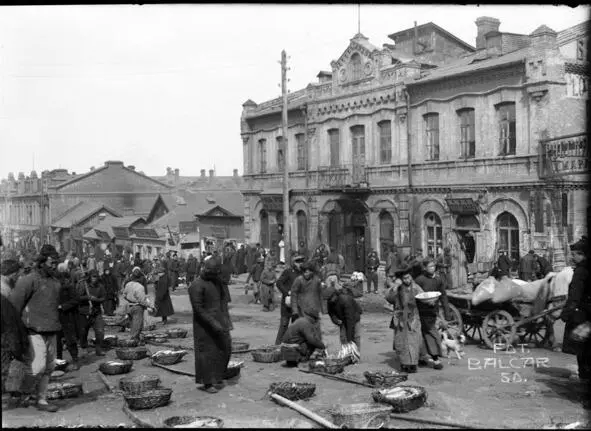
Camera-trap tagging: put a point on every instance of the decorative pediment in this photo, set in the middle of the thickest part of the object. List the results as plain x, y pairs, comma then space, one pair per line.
358, 61
218, 211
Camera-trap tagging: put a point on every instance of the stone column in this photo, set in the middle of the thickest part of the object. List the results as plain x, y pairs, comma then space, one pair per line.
374, 229
313, 221
404, 223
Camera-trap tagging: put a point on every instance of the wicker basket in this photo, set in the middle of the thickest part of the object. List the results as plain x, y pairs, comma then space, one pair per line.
158, 340
57, 391
131, 353
138, 384
152, 335
328, 366
233, 369
127, 343
177, 333
412, 398
363, 415
108, 341
267, 354
239, 346
113, 368
193, 422
148, 400
293, 391
385, 378
167, 357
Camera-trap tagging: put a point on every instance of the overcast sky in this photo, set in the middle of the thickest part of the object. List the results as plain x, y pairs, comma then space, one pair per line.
163, 85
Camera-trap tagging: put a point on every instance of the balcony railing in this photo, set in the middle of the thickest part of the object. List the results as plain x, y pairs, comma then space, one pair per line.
347, 175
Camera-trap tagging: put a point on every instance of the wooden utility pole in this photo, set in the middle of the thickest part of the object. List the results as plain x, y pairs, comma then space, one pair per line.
42, 203
286, 221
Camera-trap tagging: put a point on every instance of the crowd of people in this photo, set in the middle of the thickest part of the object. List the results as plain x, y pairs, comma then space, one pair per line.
58, 299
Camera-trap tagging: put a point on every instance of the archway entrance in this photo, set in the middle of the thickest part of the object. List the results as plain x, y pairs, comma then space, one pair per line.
347, 231
467, 226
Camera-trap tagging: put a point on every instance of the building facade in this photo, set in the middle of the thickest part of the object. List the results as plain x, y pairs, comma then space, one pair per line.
428, 143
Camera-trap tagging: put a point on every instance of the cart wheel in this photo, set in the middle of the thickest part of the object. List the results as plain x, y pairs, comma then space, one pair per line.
498, 327
456, 321
537, 332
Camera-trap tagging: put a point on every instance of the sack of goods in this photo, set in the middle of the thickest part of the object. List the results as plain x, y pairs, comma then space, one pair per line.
505, 290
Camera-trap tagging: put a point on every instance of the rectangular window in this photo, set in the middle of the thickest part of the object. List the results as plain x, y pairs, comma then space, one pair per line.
467, 133
385, 142
280, 154
507, 136
335, 145
301, 143
432, 135
262, 156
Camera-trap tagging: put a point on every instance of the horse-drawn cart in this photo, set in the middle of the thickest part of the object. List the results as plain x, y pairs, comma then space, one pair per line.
503, 323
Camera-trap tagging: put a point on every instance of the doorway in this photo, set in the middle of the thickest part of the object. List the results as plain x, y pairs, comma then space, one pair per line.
467, 226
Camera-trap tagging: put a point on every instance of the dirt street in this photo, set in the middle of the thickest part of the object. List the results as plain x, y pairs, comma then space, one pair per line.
483, 389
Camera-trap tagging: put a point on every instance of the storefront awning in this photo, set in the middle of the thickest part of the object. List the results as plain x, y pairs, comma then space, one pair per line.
464, 206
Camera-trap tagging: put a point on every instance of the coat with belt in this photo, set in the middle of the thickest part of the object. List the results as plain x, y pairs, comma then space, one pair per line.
211, 329
406, 322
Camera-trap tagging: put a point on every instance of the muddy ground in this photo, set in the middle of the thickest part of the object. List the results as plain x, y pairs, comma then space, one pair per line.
482, 389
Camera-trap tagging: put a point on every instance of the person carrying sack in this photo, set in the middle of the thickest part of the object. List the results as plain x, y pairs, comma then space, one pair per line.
136, 302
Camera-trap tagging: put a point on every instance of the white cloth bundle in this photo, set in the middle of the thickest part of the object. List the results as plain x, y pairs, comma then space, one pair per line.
349, 349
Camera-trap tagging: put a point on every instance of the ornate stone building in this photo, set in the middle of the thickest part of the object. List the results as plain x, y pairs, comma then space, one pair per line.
420, 142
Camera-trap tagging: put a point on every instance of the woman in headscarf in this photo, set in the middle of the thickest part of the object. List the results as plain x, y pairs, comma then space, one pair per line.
211, 328
406, 321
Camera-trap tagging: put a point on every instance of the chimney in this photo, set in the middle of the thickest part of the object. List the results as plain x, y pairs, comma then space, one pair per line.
235, 173
485, 24
202, 173
211, 173
91, 168
113, 163
176, 175
543, 37
131, 167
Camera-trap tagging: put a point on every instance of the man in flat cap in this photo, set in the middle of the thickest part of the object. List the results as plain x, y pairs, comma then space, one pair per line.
36, 297
10, 272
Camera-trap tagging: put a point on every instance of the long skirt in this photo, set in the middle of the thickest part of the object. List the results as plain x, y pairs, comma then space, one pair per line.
212, 354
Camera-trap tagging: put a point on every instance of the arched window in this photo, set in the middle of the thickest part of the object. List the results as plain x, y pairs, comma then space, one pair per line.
386, 233
264, 229
302, 226
433, 235
508, 235
356, 67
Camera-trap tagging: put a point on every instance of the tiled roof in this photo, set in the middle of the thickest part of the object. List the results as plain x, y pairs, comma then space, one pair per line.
573, 32
109, 223
102, 168
396, 35
80, 212
198, 202
467, 65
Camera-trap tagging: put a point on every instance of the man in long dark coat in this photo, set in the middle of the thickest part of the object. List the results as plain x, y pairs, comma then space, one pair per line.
284, 284
191, 269
211, 328
173, 271
162, 298
241, 260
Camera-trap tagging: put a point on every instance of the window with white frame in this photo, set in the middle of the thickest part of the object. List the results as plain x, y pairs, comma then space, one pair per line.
433, 234
432, 135
385, 128
262, 156
507, 129
467, 133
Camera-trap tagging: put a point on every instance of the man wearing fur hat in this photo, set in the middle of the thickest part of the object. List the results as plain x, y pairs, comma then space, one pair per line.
36, 297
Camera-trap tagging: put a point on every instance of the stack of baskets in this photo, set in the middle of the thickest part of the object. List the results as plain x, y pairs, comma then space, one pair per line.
115, 367
292, 390
167, 357
177, 333
122, 342
131, 353
267, 354
363, 415
143, 392
385, 378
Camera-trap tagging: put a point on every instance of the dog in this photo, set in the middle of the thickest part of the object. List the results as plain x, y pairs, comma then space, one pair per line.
452, 342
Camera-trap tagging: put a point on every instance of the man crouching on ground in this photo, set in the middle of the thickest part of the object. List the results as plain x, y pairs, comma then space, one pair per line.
211, 328
36, 297
302, 338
